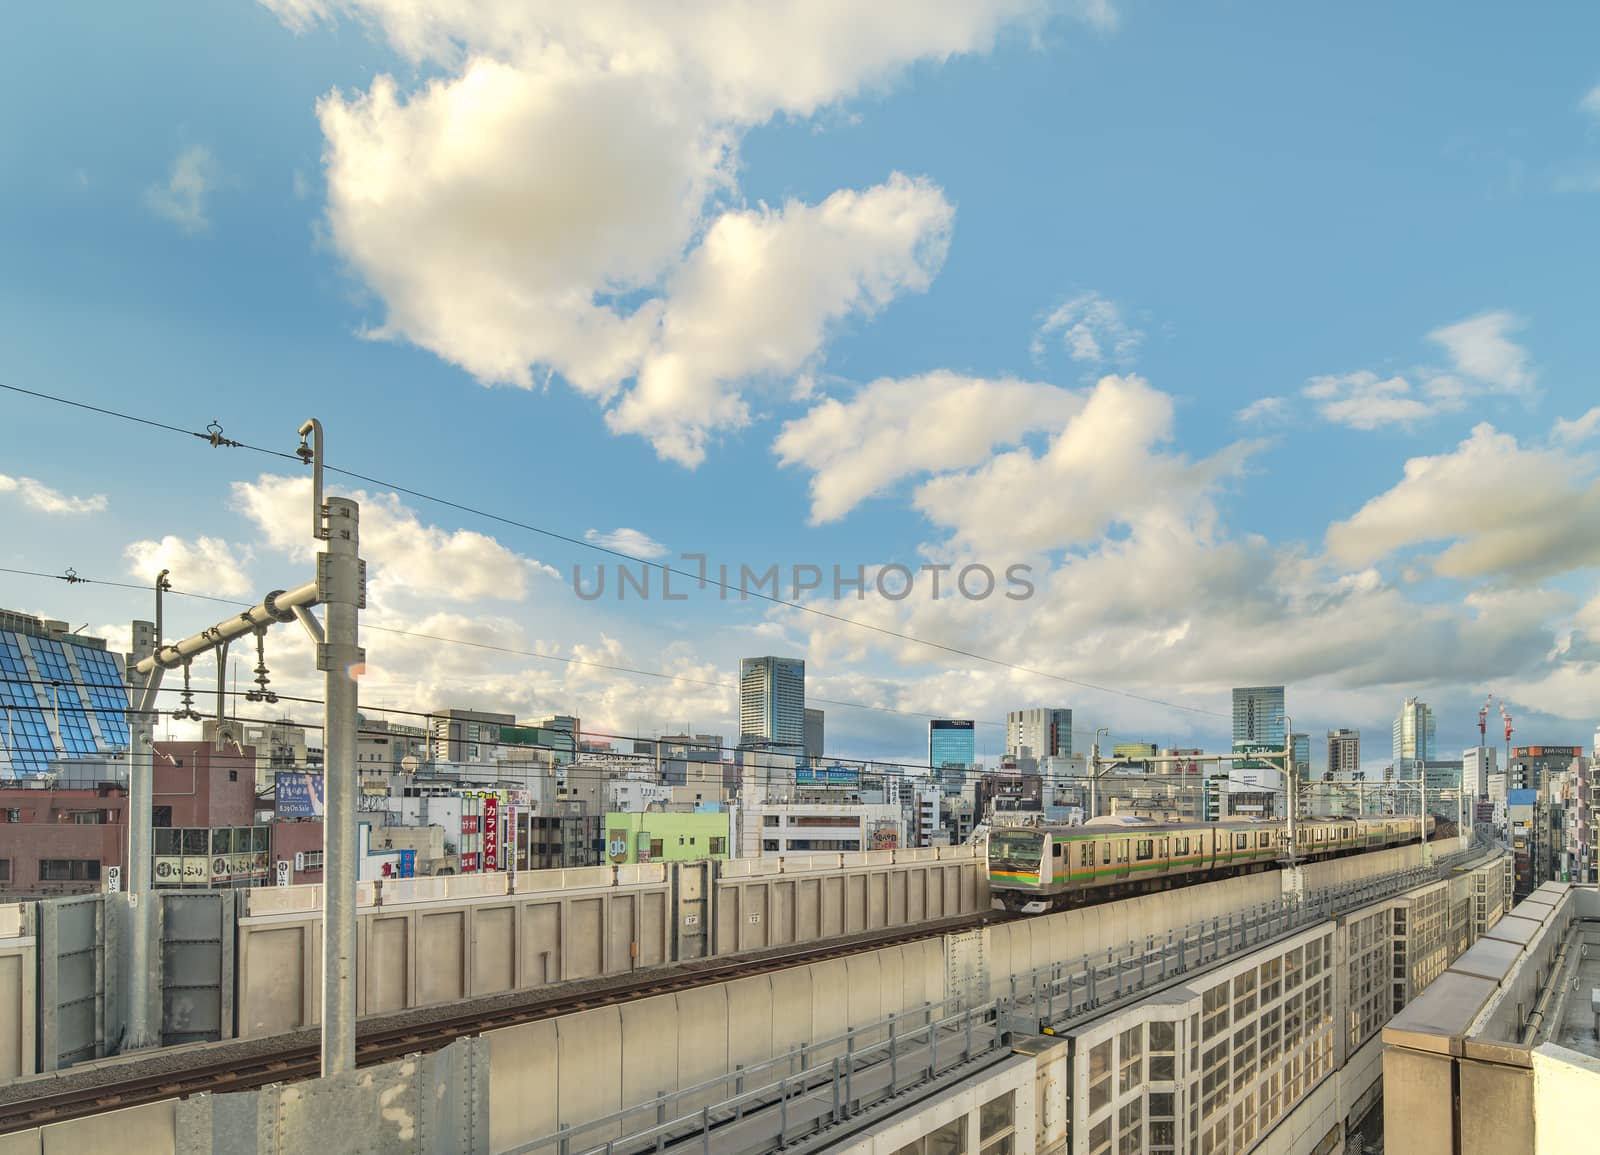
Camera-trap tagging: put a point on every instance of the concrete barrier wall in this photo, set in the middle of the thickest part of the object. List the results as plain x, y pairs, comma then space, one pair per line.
434, 940
590, 1064
18, 1001
148, 1130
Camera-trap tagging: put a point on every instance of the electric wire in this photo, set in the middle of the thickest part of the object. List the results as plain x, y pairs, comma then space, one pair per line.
215, 439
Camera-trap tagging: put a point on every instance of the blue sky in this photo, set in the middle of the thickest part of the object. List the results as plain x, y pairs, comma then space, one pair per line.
997, 280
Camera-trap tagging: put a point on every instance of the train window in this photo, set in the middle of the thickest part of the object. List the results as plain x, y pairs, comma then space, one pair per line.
1055, 849
1085, 854
1144, 850
1122, 850
1105, 852
1262, 839
1241, 841
1180, 847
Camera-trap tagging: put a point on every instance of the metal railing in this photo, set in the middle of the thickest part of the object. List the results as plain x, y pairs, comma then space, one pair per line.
815, 1084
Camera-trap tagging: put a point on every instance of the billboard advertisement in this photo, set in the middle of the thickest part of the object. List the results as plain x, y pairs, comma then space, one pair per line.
298, 795
828, 776
491, 832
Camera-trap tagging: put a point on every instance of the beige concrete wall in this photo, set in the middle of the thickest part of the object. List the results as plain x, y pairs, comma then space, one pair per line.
19, 1008
1562, 1078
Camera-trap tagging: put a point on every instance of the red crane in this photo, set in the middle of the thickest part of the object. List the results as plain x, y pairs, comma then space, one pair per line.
1506, 718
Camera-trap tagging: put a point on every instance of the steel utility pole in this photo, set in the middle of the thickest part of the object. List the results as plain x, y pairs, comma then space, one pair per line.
340, 585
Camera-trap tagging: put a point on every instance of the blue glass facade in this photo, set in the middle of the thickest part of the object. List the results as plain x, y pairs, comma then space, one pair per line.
61, 698
951, 741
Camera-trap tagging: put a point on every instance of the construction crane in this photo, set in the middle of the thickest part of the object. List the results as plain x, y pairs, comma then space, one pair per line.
1506, 718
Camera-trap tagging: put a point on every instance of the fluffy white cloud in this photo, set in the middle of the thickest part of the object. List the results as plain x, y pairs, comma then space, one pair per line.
755, 299
206, 565
402, 552
37, 495
1591, 102
898, 428
1364, 401
1480, 348
1101, 469
1577, 430
1264, 410
557, 199
1485, 361
1091, 329
633, 542
1506, 509
182, 199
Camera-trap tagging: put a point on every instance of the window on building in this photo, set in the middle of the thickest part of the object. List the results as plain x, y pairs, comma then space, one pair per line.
1131, 1044
719, 846
769, 820
161, 816
655, 848
88, 817
5, 870
769, 844
1099, 1076
69, 869
313, 860
996, 1123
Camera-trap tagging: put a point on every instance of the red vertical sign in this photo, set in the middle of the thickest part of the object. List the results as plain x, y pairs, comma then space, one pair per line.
491, 832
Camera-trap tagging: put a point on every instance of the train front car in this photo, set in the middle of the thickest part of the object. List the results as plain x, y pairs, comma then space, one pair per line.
1020, 868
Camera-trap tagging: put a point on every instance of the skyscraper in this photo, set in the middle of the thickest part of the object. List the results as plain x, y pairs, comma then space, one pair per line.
772, 703
1413, 738
1258, 715
1044, 732
951, 741
1302, 757
1344, 753
815, 729
1477, 764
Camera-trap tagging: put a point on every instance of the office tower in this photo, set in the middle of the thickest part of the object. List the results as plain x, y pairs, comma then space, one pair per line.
1344, 753
1476, 766
814, 733
1413, 738
1043, 732
1258, 716
772, 703
951, 741
1302, 757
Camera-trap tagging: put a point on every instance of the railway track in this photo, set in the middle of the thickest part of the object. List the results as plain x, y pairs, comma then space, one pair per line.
380, 1043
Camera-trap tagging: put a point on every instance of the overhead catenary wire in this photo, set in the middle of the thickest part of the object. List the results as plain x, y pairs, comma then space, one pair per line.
215, 439
73, 578
885, 768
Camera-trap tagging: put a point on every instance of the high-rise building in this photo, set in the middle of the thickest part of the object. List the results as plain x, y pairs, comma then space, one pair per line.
1302, 756
1413, 738
1532, 766
1344, 753
1476, 766
65, 697
772, 703
815, 725
951, 741
1258, 716
1044, 732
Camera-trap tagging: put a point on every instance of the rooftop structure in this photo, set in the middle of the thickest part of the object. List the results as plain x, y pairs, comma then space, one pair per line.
64, 696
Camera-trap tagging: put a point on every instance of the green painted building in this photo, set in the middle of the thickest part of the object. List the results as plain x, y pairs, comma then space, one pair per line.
666, 836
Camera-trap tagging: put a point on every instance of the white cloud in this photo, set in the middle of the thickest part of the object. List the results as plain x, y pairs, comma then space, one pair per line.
633, 542
1591, 102
402, 553
1577, 430
206, 565
1101, 469
754, 301
39, 496
182, 200
1362, 400
1481, 349
556, 200
1264, 410
1506, 509
1485, 360
898, 428
1092, 331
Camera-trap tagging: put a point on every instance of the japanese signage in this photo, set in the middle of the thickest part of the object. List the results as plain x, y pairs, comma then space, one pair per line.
298, 795
469, 863
491, 832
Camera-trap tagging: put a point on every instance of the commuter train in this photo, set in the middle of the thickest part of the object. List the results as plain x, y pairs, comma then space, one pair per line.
1038, 868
